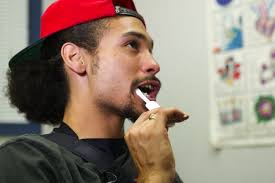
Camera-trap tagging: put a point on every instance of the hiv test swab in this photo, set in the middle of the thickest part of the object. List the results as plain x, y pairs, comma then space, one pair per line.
150, 105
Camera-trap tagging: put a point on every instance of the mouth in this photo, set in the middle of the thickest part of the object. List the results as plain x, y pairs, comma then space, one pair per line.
150, 89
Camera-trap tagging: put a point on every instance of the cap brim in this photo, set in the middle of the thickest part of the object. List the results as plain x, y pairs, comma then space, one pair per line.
30, 53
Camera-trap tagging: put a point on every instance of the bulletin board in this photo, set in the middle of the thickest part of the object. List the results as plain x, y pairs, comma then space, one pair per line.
242, 72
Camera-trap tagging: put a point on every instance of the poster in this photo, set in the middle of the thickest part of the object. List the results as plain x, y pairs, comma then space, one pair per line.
242, 72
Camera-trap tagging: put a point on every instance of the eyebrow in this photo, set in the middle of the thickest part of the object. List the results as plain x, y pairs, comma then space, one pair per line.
141, 36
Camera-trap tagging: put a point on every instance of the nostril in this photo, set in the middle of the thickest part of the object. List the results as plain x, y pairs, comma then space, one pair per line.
155, 68
150, 70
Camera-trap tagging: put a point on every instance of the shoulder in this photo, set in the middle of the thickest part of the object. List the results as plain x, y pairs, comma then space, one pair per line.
34, 158
28, 138
30, 149
35, 147
34, 144
28, 157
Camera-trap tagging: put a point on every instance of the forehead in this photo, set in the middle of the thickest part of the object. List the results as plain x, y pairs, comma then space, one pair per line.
121, 25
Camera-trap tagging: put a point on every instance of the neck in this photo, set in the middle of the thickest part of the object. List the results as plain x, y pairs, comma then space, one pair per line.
88, 121
84, 116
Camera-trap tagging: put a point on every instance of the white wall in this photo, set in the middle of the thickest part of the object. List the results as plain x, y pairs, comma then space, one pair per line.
13, 37
179, 30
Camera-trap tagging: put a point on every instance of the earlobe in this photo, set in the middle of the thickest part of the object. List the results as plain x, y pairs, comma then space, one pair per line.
72, 57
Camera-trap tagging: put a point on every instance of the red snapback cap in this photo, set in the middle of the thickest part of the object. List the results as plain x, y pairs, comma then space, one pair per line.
63, 14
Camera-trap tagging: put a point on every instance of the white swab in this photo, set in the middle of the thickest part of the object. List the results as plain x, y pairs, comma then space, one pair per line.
150, 105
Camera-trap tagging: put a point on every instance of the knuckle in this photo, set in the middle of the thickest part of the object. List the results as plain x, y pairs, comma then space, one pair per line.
160, 110
132, 133
140, 133
174, 109
144, 114
126, 135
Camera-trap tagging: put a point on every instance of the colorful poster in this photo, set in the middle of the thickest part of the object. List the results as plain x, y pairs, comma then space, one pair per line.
242, 72
228, 31
259, 22
229, 73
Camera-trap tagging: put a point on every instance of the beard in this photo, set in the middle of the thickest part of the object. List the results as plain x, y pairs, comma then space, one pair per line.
129, 112
129, 109
125, 111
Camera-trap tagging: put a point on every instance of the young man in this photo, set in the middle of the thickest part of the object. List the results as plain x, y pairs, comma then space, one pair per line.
82, 74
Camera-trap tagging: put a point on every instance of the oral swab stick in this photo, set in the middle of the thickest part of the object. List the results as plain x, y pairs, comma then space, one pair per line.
150, 105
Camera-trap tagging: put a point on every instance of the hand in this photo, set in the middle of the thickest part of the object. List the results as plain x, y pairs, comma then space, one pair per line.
150, 147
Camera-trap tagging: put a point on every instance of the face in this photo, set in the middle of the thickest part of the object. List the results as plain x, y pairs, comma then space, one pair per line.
123, 63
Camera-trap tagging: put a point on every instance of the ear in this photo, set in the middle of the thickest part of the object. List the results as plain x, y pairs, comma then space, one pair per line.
73, 58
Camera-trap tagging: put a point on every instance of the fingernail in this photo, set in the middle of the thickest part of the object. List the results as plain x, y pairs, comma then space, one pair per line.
185, 116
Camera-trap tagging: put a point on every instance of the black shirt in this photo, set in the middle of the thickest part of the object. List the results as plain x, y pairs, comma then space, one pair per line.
113, 147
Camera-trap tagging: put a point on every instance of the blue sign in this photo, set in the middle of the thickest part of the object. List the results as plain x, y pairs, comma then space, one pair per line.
223, 2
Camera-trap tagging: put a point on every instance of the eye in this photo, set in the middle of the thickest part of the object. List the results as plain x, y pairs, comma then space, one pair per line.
133, 44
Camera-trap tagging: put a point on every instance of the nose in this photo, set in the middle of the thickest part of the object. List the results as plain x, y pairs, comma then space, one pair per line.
150, 66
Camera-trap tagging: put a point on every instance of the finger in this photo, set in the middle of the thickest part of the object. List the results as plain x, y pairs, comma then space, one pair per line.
167, 116
142, 118
145, 116
175, 115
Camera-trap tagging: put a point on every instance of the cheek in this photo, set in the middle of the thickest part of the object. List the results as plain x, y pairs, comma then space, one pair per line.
119, 69
115, 77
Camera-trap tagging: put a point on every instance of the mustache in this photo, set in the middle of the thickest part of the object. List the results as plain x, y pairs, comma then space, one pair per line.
136, 82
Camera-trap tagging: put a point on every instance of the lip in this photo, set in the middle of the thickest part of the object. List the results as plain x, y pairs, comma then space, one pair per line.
156, 87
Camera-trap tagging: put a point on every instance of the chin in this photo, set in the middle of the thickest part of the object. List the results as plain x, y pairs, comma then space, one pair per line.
133, 113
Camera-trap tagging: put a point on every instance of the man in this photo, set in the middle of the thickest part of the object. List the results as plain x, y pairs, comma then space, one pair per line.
82, 74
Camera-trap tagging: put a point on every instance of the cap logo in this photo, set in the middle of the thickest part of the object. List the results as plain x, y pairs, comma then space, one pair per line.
128, 12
